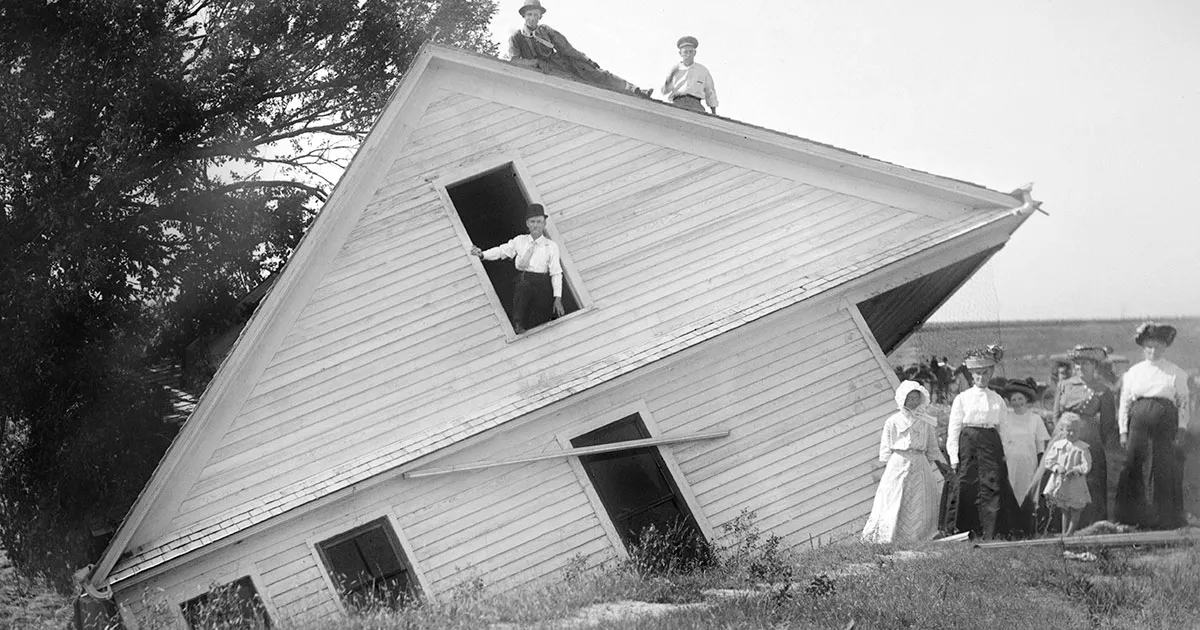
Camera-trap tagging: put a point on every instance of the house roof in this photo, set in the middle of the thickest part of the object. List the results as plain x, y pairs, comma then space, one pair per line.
116, 565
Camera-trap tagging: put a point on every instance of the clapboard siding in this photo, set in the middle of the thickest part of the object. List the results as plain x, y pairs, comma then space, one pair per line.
515, 526
400, 338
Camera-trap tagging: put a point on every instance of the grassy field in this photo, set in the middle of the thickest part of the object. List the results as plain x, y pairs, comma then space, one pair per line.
30, 604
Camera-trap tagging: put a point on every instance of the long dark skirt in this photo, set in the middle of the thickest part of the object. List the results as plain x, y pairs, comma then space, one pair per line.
1153, 423
979, 498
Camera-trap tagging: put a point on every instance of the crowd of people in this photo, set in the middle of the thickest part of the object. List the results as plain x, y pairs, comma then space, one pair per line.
1008, 469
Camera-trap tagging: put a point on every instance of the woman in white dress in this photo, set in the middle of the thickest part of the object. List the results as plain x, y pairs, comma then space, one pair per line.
1025, 438
906, 503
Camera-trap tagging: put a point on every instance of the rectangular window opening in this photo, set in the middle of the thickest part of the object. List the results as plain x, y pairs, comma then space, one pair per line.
368, 567
235, 606
492, 209
636, 488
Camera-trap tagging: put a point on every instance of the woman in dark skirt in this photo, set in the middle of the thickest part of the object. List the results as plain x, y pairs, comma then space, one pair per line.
1153, 415
981, 500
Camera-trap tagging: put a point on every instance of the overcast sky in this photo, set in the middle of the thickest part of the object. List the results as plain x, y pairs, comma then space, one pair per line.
1095, 101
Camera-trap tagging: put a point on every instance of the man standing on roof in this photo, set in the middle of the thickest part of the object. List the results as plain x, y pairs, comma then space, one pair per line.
538, 289
689, 82
539, 46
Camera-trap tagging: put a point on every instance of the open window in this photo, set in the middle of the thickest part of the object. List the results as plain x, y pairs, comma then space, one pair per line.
368, 567
235, 606
492, 208
636, 488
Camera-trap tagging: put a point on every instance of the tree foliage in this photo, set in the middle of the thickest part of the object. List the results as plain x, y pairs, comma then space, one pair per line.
158, 159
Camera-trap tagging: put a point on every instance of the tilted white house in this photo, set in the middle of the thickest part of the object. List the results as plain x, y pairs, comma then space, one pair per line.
732, 294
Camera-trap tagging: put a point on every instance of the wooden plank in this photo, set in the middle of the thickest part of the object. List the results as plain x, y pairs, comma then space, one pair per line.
574, 452
1186, 536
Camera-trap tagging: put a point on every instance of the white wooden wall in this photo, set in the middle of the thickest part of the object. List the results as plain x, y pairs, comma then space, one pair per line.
801, 392
399, 338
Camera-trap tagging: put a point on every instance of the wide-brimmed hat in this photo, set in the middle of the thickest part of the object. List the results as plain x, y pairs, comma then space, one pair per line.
1154, 330
687, 39
535, 210
984, 357
1024, 387
1095, 354
531, 4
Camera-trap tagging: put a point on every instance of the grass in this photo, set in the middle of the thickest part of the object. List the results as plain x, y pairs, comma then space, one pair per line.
953, 588
30, 603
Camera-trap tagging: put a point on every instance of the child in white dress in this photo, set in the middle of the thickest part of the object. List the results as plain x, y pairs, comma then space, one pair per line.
1068, 461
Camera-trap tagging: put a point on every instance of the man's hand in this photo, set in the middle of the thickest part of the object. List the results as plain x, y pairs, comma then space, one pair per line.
1124, 440
476, 252
558, 307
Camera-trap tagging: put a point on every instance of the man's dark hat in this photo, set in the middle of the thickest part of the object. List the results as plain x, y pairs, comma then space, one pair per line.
535, 210
1018, 386
1153, 330
687, 39
532, 4
1095, 354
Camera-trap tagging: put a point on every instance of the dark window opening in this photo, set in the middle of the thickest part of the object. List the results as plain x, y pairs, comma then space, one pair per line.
368, 567
492, 208
235, 606
636, 487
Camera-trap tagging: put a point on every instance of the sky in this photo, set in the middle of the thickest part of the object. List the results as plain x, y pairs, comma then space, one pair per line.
1095, 101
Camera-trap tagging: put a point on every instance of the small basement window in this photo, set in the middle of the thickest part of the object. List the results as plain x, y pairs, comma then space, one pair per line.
636, 487
492, 209
235, 606
368, 567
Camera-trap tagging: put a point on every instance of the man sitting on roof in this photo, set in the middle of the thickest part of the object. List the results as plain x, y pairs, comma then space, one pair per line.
689, 83
539, 46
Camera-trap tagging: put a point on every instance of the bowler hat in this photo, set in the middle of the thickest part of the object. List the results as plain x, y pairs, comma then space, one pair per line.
1095, 354
535, 210
687, 39
1153, 330
532, 4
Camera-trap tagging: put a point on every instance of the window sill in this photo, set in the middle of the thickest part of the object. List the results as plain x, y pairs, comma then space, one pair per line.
511, 335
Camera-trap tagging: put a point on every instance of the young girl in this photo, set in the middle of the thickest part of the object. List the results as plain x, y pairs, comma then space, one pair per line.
1068, 462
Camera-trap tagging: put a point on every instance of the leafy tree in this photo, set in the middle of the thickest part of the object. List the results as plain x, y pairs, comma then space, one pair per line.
158, 158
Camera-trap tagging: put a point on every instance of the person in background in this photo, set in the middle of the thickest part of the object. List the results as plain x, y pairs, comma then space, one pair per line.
1024, 437
539, 46
984, 504
906, 502
1059, 373
538, 290
688, 83
1153, 416
1088, 396
1068, 461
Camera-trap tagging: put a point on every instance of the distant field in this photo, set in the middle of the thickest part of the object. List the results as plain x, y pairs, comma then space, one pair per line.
1028, 345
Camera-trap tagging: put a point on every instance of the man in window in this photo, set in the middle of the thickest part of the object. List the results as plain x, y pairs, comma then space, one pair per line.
538, 290
539, 46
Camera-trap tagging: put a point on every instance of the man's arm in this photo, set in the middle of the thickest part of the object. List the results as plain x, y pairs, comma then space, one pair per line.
710, 91
503, 250
564, 47
556, 273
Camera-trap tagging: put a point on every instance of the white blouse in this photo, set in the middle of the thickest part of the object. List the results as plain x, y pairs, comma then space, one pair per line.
974, 407
1154, 379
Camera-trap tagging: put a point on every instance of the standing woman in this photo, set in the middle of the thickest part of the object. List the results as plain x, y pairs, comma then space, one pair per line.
906, 502
1153, 415
1087, 394
1025, 438
985, 504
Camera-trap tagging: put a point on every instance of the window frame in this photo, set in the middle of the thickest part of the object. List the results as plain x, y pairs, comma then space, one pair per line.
680, 481
244, 569
571, 277
395, 535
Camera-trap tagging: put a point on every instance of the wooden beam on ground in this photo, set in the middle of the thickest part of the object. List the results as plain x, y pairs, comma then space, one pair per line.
1172, 537
574, 452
